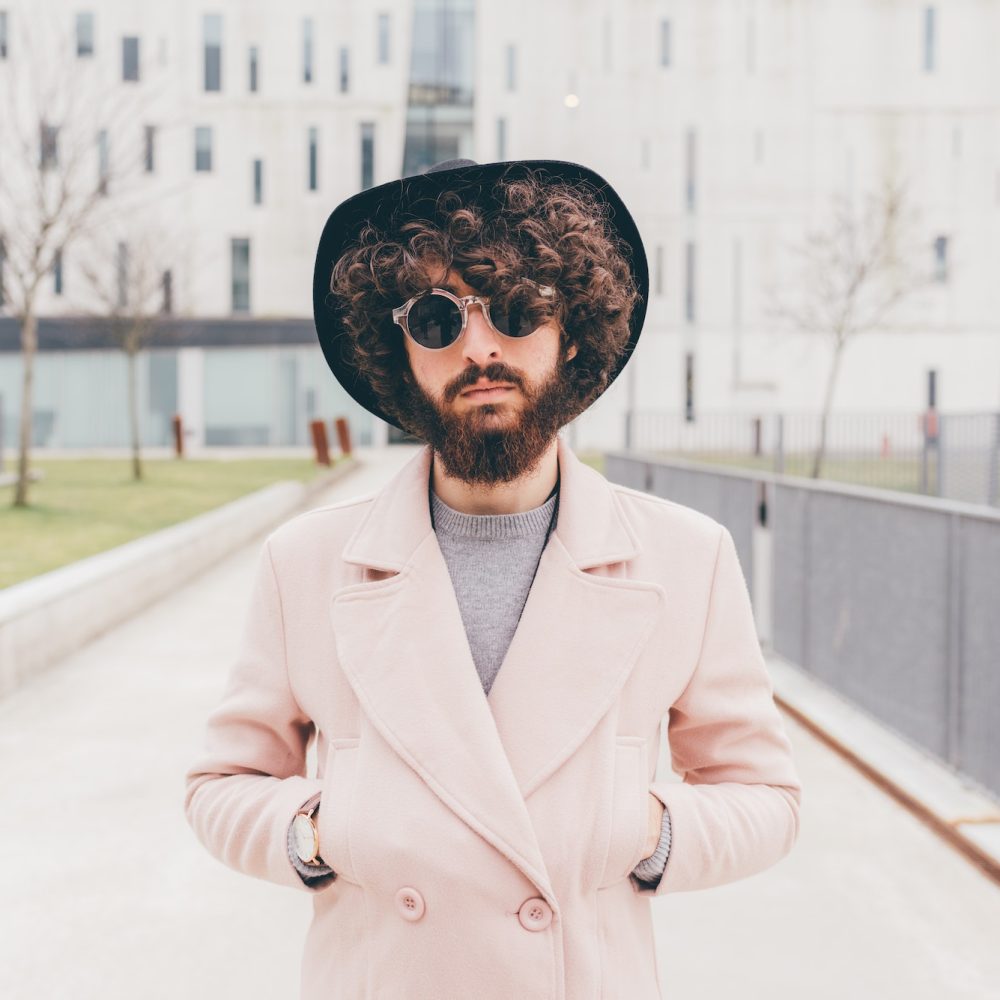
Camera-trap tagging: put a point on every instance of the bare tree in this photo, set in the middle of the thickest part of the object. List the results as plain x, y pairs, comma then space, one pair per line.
57, 172
126, 267
854, 273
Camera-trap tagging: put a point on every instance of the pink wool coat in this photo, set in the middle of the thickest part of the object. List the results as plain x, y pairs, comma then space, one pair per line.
484, 845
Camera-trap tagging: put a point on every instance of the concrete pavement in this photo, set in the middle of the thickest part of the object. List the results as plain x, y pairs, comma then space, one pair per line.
106, 893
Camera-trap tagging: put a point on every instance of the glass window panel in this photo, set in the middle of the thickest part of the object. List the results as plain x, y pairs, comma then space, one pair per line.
367, 154
665, 42
383, 38
212, 29
84, 33
313, 159
203, 148
345, 80
150, 148
240, 275
130, 58
307, 50
929, 39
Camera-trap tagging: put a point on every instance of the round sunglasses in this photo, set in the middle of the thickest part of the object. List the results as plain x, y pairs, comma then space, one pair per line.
437, 318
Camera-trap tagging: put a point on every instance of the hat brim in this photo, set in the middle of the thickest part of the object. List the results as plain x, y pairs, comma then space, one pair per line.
414, 195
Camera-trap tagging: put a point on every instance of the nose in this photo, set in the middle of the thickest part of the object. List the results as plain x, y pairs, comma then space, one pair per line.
481, 341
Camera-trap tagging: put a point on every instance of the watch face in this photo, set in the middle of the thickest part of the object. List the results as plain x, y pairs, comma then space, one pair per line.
304, 835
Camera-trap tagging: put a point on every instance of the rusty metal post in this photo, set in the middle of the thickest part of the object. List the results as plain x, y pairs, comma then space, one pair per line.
320, 445
178, 436
343, 435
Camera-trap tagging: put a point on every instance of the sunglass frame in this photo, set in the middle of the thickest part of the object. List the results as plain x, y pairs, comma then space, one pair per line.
400, 313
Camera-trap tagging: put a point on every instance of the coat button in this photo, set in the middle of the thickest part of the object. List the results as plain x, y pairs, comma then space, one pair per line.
535, 914
410, 903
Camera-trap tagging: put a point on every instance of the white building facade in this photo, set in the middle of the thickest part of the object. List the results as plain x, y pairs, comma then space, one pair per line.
727, 125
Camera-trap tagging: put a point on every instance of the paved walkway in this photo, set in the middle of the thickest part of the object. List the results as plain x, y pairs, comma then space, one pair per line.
106, 893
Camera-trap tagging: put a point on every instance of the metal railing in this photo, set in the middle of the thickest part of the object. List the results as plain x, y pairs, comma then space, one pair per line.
888, 598
950, 455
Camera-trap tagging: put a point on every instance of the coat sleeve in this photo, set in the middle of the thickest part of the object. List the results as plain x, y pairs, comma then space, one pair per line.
244, 789
736, 811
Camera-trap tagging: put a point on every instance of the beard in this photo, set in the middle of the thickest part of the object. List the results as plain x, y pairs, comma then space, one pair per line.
490, 443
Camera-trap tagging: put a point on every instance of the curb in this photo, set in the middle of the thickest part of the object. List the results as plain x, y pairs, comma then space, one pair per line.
957, 808
51, 615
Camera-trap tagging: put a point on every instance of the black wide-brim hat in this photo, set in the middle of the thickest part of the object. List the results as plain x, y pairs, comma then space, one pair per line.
387, 204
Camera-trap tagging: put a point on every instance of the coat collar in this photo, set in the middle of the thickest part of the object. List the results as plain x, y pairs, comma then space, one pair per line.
590, 525
403, 647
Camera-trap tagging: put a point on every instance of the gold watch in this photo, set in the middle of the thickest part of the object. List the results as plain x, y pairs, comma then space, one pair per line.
305, 834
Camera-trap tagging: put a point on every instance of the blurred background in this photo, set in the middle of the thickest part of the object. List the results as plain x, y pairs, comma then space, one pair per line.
817, 185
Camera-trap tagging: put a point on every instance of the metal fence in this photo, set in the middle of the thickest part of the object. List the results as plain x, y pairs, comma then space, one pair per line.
950, 455
890, 599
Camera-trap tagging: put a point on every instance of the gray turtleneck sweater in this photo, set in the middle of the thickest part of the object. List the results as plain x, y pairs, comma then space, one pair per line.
492, 560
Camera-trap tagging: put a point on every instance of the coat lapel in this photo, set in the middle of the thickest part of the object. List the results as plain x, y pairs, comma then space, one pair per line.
403, 648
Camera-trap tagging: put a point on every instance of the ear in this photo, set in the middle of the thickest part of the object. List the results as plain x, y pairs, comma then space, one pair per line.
571, 353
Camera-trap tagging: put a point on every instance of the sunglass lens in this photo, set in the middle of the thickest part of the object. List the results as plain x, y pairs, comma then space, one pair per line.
520, 312
434, 321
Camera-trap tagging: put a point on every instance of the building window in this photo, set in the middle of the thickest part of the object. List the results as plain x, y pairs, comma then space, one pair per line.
212, 32
203, 148
511, 67
168, 293
665, 42
658, 271
501, 138
689, 282
258, 182
241, 275
84, 34
3, 34
150, 148
130, 58
345, 68
383, 39
103, 161
929, 40
57, 272
254, 71
307, 50
313, 158
941, 258
122, 275
367, 154
690, 169
48, 146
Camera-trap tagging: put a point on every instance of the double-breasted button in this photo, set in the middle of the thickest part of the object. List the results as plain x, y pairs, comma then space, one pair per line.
410, 903
535, 914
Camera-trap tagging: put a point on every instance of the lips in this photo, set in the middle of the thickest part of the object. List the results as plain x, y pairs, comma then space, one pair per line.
485, 388
495, 392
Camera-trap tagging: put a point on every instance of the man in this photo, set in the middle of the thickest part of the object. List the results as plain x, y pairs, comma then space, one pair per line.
486, 647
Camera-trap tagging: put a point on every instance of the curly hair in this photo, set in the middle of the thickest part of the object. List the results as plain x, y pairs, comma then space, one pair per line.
555, 233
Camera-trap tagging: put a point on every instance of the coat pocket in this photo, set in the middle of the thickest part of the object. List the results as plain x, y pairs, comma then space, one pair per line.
335, 805
629, 810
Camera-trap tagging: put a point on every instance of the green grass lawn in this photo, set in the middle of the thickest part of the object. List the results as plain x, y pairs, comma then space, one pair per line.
84, 506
